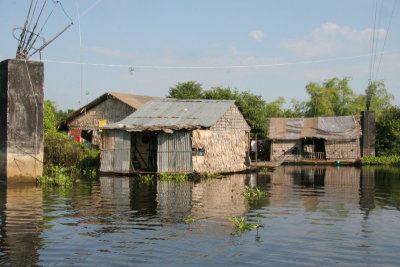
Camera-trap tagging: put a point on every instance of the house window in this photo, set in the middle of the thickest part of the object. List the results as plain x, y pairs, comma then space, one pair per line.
197, 152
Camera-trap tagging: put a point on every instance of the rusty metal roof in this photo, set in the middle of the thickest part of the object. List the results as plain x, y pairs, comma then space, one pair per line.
328, 128
173, 114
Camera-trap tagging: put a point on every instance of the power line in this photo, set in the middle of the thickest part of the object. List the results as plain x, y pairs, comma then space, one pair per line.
386, 36
86, 11
206, 67
372, 59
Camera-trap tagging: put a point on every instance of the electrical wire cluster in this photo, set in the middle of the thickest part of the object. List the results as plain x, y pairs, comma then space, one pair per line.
31, 33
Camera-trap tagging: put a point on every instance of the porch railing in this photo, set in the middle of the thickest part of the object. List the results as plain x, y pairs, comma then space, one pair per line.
314, 155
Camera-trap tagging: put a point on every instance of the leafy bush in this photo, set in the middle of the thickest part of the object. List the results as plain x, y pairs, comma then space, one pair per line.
64, 158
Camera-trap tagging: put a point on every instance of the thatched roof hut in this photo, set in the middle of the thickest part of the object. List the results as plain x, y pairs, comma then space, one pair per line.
320, 138
106, 109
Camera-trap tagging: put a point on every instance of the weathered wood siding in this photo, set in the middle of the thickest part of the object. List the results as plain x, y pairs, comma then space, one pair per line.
343, 149
112, 110
287, 147
225, 145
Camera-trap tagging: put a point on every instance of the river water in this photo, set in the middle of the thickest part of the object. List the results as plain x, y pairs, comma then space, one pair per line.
310, 216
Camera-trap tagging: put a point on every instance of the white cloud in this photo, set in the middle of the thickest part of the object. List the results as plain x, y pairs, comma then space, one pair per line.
332, 39
257, 35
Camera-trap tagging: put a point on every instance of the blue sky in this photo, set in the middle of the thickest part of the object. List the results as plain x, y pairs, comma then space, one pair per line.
271, 48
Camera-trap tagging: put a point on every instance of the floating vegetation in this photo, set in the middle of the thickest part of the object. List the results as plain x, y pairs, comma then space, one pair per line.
393, 160
57, 176
189, 220
177, 177
146, 179
252, 193
242, 226
210, 175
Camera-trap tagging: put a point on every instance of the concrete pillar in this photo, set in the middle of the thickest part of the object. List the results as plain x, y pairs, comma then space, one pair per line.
21, 120
368, 133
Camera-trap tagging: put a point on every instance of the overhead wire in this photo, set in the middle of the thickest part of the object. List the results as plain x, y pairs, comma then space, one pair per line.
386, 37
86, 11
24, 29
34, 28
30, 22
136, 67
371, 63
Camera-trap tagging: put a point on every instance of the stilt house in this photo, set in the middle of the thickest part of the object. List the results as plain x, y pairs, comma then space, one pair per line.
322, 138
178, 136
108, 108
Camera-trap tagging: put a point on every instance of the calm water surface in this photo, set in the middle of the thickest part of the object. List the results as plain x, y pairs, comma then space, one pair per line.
311, 216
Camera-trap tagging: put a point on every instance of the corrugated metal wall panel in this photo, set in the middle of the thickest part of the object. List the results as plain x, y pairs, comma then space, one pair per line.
122, 152
174, 152
115, 155
107, 151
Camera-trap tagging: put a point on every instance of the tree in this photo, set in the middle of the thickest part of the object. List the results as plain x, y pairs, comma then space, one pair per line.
186, 90
377, 98
296, 110
333, 98
388, 132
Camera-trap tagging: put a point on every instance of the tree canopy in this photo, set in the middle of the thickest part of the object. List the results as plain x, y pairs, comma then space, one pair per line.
332, 97
186, 90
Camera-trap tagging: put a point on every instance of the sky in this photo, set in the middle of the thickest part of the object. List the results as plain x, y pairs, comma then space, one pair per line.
270, 48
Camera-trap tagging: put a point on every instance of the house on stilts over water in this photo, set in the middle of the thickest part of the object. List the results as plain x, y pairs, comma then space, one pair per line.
84, 124
321, 139
204, 136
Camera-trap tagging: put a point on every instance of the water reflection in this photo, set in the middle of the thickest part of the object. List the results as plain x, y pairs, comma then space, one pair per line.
20, 225
318, 187
173, 202
312, 215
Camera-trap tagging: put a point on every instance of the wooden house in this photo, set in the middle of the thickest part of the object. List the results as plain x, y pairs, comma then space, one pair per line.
108, 108
204, 136
321, 138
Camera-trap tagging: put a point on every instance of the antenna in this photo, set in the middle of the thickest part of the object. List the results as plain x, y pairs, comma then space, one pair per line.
30, 35
131, 70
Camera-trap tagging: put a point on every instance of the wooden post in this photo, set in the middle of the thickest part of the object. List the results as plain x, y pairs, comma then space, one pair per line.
256, 149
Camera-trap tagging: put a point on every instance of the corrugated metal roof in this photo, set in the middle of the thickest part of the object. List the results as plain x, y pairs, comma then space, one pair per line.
174, 114
329, 128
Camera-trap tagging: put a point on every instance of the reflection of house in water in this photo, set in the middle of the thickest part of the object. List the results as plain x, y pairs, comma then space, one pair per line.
174, 200
315, 186
20, 224
126, 194
220, 198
